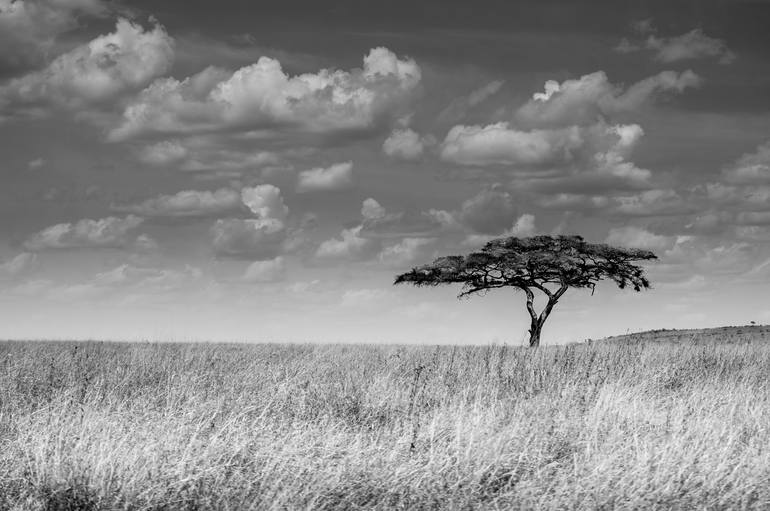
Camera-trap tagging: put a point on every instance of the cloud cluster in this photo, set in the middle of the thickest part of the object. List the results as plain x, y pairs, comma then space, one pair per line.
568, 159
109, 232
372, 210
349, 245
271, 270
740, 203
713, 230
335, 177
266, 202
751, 168
207, 156
262, 234
187, 204
28, 29
566, 133
249, 238
489, 214
261, 238
592, 97
400, 224
404, 144
370, 239
562, 149
164, 153
694, 44
107, 67
501, 144
263, 97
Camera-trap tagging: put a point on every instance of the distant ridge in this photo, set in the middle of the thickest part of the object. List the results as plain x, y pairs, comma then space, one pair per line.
726, 334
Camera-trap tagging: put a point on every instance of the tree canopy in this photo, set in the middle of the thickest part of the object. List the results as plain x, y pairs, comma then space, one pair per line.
550, 264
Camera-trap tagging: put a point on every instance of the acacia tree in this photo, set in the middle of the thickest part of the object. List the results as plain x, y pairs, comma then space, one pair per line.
548, 264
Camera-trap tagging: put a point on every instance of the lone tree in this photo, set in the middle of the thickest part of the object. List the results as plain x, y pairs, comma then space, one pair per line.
549, 264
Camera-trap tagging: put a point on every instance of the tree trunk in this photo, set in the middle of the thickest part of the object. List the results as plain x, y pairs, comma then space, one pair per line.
534, 334
538, 320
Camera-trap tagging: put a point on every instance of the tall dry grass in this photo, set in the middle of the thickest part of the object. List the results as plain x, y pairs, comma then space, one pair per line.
626, 426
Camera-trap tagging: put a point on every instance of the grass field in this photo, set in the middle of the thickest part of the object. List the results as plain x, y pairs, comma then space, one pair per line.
606, 425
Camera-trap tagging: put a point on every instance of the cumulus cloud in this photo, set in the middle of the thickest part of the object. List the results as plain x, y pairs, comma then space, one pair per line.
28, 29
643, 26
262, 97
404, 144
747, 196
713, 257
17, 265
109, 232
751, 168
335, 177
187, 204
378, 223
35, 164
222, 161
163, 153
105, 68
211, 156
562, 145
626, 203
262, 238
266, 202
249, 238
741, 201
739, 205
372, 210
524, 226
692, 45
401, 224
145, 243
593, 96
592, 157
414, 232
271, 270
501, 144
348, 245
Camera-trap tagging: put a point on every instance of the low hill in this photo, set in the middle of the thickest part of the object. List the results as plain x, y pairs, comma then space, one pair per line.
726, 334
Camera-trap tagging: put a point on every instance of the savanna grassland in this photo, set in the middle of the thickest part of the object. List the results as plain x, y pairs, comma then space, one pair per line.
606, 425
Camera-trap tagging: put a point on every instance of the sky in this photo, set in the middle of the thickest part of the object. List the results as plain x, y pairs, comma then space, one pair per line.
189, 171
